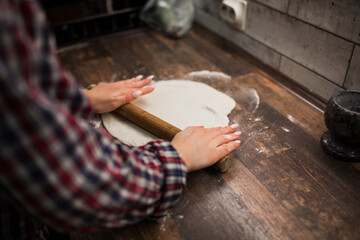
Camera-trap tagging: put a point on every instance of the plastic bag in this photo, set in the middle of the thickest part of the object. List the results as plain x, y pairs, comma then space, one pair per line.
174, 17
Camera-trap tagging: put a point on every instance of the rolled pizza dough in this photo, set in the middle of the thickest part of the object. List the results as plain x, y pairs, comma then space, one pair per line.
182, 103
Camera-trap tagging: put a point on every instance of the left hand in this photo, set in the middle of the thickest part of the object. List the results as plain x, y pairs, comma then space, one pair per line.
106, 97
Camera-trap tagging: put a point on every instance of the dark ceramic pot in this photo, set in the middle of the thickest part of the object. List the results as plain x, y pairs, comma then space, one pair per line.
342, 119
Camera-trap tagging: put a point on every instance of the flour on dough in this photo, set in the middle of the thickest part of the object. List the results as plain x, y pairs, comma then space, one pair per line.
182, 103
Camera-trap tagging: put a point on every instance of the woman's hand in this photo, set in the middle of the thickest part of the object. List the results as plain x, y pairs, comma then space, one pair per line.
106, 97
201, 147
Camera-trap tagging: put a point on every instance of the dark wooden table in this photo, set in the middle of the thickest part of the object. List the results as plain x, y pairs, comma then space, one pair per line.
281, 185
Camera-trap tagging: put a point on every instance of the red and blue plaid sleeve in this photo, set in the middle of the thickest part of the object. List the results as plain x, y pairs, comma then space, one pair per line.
54, 167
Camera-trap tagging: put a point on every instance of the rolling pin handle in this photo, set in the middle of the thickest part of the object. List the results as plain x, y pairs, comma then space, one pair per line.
223, 165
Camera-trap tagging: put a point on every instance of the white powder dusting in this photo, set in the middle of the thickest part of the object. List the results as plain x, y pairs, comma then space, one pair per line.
163, 224
209, 74
254, 100
285, 129
248, 98
259, 150
294, 120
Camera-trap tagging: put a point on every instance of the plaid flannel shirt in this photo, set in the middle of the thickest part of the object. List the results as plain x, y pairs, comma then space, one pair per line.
55, 169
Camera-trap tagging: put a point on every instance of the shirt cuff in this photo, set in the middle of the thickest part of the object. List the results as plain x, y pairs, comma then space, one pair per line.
174, 169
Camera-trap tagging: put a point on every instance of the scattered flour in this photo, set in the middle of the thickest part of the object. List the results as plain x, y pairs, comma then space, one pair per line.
294, 120
259, 150
209, 74
248, 98
285, 129
259, 119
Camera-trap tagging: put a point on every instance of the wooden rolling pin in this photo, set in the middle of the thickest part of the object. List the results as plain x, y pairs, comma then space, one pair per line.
160, 128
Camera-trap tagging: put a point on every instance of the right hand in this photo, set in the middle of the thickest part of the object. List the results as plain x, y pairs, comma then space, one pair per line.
201, 147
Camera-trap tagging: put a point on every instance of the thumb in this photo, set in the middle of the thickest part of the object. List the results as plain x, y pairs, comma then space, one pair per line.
128, 97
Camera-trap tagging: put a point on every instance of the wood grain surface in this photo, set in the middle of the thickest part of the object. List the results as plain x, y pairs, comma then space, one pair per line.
281, 184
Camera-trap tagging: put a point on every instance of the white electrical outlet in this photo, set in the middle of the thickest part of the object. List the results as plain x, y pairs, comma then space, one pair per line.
234, 12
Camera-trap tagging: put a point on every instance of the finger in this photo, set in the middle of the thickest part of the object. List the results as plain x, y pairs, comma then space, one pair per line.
140, 84
222, 139
132, 94
128, 96
129, 81
135, 82
136, 92
213, 129
226, 148
147, 90
214, 132
230, 128
138, 78
151, 77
